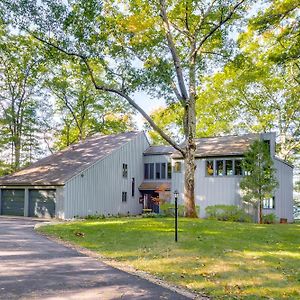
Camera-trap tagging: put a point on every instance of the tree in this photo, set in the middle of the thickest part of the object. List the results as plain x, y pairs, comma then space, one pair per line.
260, 182
21, 66
164, 47
80, 110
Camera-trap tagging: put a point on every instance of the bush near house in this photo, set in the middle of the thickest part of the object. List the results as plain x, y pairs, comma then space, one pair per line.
231, 213
168, 209
269, 219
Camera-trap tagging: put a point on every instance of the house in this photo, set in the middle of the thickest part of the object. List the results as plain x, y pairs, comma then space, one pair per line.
124, 174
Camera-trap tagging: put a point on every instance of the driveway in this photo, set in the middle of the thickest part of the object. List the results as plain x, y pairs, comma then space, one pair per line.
33, 267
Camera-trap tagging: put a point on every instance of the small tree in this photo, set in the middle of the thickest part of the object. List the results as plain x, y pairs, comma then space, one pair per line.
260, 182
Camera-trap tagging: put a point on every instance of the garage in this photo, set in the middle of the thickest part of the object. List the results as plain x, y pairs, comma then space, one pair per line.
42, 203
12, 202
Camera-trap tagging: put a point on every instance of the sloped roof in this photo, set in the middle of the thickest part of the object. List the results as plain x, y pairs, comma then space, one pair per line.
230, 145
159, 150
155, 186
56, 169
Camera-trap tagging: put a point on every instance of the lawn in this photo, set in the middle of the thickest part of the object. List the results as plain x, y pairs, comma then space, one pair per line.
221, 259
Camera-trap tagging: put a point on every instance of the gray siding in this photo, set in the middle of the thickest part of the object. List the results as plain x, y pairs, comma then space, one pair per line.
284, 193
98, 189
157, 159
209, 190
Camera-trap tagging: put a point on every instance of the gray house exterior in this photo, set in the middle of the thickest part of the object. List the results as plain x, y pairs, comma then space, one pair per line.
123, 174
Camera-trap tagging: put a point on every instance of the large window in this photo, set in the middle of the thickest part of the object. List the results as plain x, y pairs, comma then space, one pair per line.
269, 203
224, 167
157, 171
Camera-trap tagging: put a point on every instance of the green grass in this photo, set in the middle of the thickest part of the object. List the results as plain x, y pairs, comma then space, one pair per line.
222, 259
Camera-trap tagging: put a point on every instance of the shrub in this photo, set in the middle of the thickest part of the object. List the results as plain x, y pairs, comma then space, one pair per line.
269, 219
231, 213
94, 217
151, 215
168, 209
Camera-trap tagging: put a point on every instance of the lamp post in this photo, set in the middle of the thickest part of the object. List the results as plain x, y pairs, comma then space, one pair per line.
176, 215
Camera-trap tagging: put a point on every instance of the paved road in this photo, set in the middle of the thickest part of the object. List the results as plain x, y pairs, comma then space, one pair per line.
33, 267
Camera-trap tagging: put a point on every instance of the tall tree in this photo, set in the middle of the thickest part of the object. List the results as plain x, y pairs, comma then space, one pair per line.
80, 109
161, 46
260, 182
20, 72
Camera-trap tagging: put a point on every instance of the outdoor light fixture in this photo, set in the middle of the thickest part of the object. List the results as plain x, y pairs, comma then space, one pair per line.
176, 194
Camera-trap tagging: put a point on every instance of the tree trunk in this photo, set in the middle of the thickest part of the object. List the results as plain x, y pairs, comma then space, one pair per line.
260, 212
189, 182
17, 146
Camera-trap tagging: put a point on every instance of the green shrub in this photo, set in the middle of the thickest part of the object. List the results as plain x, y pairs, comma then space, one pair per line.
152, 215
231, 213
269, 219
168, 209
94, 217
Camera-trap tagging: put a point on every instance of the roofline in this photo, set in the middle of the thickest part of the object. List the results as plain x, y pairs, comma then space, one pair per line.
97, 161
283, 161
30, 185
158, 153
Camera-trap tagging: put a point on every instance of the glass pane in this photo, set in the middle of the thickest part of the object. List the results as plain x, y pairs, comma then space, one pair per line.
163, 171
238, 168
151, 171
146, 171
177, 167
169, 171
157, 170
228, 168
219, 166
210, 167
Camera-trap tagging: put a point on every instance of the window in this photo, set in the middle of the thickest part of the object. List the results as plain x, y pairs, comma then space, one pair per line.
238, 167
146, 171
267, 143
125, 170
228, 167
124, 196
219, 168
151, 166
157, 171
169, 170
132, 186
210, 168
177, 167
269, 203
163, 171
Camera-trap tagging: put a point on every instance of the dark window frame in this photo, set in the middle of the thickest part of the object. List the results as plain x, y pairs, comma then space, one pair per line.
124, 196
125, 170
132, 187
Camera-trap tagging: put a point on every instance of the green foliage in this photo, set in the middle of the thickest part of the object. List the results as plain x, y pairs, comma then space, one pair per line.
231, 213
269, 219
151, 215
260, 181
168, 209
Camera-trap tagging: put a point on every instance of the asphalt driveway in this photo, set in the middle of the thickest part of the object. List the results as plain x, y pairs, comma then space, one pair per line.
33, 267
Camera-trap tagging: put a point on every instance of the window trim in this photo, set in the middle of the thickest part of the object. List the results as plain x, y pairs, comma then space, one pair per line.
125, 170
268, 201
124, 197
214, 161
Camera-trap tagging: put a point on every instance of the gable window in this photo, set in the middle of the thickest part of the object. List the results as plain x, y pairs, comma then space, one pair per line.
169, 170
269, 203
210, 168
177, 167
228, 168
125, 170
238, 167
219, 168
157, 171
124, 196
151, 167
132, 186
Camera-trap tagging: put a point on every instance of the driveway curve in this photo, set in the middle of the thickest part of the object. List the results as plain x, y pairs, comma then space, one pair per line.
34, 267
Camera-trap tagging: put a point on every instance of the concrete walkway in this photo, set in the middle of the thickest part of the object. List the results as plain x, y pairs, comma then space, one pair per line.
33, 267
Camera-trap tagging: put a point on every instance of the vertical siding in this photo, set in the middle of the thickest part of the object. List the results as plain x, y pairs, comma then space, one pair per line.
284, 193
98, 190
59, 203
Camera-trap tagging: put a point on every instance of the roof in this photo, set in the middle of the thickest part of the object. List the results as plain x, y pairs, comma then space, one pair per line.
155, 186
159, 150
222, 145
56, 169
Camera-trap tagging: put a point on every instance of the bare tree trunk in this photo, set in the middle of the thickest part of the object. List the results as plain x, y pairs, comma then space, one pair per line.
17, 146
260, 212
